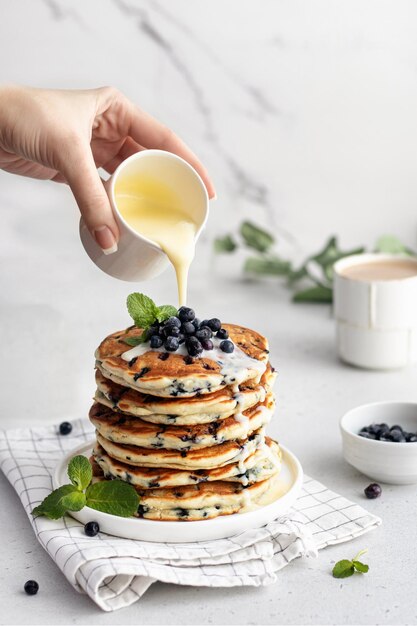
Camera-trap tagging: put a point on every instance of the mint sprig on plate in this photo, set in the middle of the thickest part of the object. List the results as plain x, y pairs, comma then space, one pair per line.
312, 281
346, 568
144, 312
114, 496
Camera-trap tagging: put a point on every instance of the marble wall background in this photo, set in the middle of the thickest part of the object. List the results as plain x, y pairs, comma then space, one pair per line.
304, 111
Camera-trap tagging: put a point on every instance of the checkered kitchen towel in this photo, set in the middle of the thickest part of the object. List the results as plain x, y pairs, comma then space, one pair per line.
116, 572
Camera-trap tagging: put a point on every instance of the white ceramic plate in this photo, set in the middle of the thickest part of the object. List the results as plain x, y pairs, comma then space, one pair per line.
291, 479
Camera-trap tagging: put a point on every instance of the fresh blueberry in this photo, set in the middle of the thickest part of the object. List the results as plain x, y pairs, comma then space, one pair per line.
186, 314
91, 529
367, 435
214, 324
222, 334
181, 338
65, 428
188, 328
153, 330
373, 491
156, 341
227, 346
174, 331
397, 435
173, 321
31, 587
204, 323
397, 427
196, 323
204, 332
193, 345
171, 344
411, 437
383, 430
207, 344
385, 437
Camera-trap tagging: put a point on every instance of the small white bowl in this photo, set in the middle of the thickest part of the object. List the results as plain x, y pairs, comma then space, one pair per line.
385, 461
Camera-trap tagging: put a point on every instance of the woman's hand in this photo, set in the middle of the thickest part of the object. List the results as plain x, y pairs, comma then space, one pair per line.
66, 135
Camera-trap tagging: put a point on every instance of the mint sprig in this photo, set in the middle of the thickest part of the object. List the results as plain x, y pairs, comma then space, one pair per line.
144, 312
114, 497
346, 568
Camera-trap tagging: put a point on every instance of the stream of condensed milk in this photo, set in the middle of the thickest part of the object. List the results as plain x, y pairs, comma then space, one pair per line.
153, 210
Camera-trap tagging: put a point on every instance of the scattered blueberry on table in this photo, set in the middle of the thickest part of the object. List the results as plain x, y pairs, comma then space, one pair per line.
91, 529
186, 328
65, 428
373, 491
383, 432
31, 587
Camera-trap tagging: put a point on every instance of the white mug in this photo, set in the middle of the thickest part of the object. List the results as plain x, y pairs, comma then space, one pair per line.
137, 257
376, 321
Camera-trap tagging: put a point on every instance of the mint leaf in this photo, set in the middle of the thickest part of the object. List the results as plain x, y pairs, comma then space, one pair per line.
392, 245
54, 506
80, 472
165, 311
224, 244
73, 501
343, 569
319, 293
114, 497
135, 341
360, 567
272, 266
142, 309
256, 237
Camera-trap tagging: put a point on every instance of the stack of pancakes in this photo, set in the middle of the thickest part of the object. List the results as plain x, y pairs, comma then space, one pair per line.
188, 433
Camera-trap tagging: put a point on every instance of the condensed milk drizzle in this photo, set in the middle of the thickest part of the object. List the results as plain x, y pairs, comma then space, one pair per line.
154, 211
231, 364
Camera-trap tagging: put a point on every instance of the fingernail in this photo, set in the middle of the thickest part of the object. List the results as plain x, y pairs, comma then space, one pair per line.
105, 239
214, 197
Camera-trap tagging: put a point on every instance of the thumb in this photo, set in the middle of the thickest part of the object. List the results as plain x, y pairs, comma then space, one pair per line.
83, 178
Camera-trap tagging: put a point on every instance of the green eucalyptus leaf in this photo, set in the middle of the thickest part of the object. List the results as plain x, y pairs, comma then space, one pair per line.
255, 237
272, 266
319, 293
389, 244
298, 274
224, 244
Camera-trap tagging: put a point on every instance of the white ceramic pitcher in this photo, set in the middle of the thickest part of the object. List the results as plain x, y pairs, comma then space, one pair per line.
138, 258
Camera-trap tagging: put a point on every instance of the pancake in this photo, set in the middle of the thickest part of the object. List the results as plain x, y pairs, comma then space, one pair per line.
176, 374
200, 458
135, 432
200, 502
182, 411
260, 465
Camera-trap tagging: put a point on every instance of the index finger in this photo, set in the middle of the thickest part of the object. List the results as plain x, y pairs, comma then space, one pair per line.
148, 132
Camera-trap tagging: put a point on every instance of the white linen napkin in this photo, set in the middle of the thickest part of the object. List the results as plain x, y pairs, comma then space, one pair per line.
116, 572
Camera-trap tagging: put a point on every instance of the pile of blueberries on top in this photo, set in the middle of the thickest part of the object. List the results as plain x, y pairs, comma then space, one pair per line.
186, 328
383, 432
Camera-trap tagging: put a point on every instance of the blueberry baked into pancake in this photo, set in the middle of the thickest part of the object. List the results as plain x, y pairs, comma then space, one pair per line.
180, 412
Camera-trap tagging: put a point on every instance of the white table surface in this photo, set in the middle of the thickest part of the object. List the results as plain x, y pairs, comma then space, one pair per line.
313, 391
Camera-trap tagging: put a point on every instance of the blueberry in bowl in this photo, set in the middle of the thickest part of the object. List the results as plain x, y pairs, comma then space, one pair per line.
380, 440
